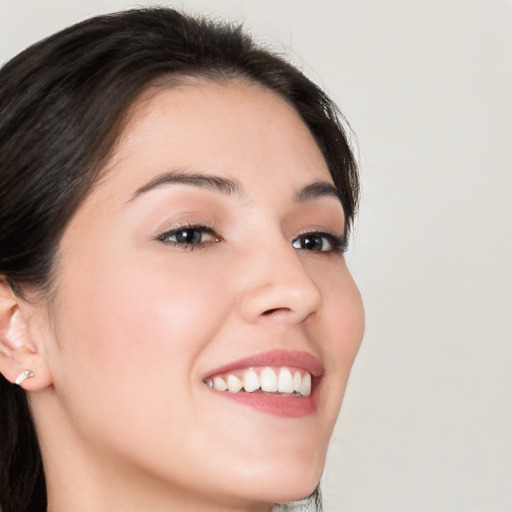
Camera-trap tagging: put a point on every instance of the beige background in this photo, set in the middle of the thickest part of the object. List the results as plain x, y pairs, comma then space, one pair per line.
427, 86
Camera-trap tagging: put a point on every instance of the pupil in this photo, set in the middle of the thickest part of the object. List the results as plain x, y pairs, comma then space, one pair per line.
313, 243
188, 236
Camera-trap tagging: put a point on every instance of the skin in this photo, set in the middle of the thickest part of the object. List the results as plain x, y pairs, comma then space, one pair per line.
124, 419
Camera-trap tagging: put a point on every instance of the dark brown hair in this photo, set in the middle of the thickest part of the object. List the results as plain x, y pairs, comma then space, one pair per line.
62, 106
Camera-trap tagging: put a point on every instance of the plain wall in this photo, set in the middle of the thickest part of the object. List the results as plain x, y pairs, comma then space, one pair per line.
427, 86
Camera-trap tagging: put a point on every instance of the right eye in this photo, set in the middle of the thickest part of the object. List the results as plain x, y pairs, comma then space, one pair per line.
188, 237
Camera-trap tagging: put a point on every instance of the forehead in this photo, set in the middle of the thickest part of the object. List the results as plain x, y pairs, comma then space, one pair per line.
239, 130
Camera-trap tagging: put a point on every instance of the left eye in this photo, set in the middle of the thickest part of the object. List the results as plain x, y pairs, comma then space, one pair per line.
319, 242
189, 236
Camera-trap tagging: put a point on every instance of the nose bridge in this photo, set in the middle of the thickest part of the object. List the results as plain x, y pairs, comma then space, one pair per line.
276, 283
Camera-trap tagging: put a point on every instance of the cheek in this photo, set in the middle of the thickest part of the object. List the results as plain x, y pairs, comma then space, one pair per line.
129, 335
342, 313
135, 328
348, 320
342, 332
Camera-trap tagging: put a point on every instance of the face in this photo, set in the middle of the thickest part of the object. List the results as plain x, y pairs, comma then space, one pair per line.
212, 246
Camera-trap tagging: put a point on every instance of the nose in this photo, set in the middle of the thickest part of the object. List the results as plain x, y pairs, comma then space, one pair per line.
276, 285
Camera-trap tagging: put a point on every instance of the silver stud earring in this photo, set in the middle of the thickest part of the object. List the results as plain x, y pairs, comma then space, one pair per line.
27, 374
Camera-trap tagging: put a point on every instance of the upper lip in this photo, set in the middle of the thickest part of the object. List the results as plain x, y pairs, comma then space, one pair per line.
279, 357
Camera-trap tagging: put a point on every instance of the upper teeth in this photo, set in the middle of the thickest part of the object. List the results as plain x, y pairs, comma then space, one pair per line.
282, 380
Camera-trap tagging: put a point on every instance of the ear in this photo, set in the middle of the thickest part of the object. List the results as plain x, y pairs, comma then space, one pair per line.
20, 347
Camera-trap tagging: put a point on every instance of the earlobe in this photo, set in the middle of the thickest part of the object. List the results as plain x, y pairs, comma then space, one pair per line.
19, 354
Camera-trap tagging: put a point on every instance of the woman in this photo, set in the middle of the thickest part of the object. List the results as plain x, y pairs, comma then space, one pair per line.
177, 320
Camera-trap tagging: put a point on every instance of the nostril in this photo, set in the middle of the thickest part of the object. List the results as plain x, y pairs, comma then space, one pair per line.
274, 310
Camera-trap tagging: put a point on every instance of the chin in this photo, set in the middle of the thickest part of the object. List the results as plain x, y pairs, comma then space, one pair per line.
281, 469
295, 491
280, 484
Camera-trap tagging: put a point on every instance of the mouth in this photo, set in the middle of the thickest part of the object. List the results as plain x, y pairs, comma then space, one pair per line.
279, 382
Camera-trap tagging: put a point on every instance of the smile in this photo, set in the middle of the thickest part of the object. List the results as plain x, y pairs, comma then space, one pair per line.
284, 381
279, 382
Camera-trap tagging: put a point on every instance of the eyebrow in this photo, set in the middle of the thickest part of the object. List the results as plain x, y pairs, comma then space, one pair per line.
225, 186
317, 189
229, 186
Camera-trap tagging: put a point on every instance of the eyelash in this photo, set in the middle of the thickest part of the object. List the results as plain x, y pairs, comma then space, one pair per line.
338, 245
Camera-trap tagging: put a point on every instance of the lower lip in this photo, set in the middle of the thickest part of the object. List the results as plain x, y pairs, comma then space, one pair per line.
277, 405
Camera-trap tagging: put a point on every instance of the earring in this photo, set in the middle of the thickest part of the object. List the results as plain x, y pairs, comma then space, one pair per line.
27, 374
